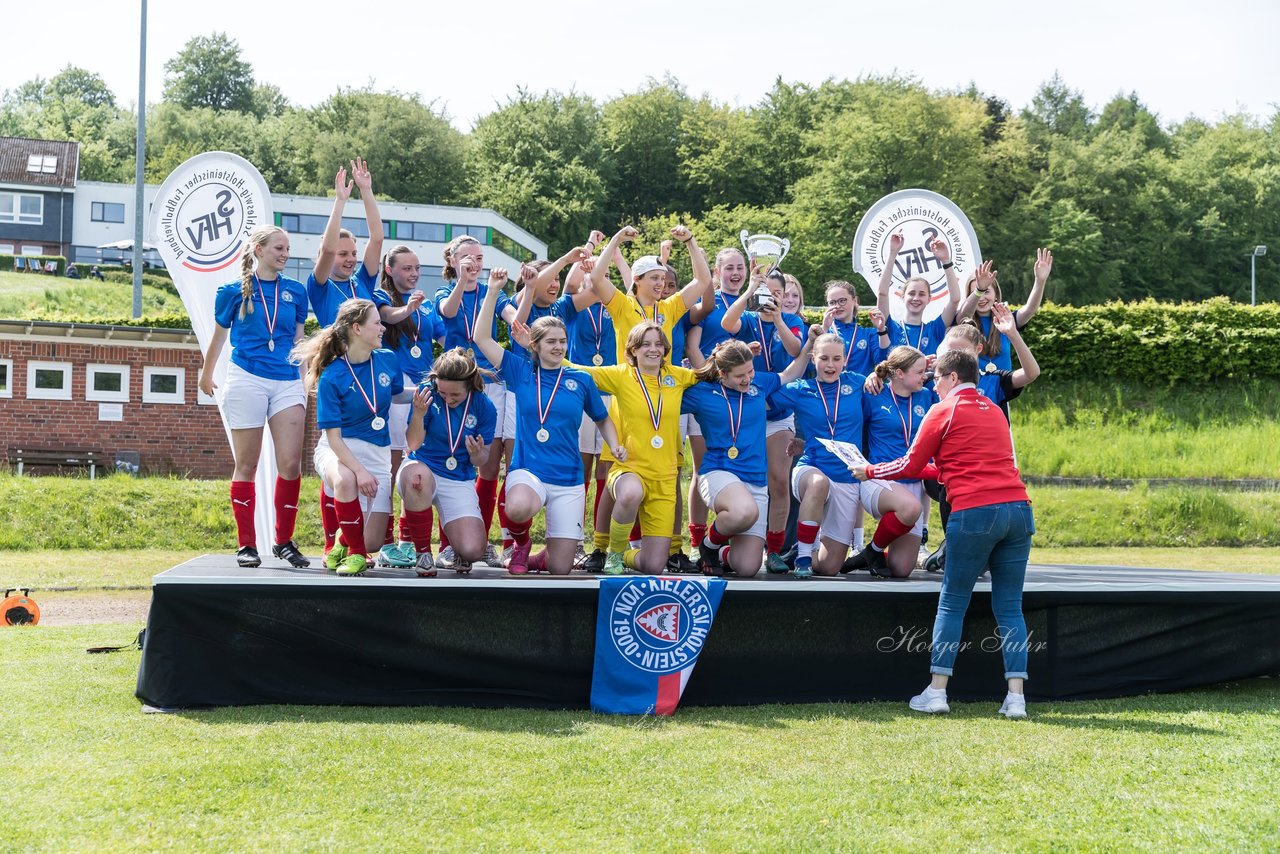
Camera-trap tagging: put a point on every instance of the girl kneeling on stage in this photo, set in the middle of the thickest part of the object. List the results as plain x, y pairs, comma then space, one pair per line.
550, 402
892, 419
450, 432
354, 382
263, 314
730, 405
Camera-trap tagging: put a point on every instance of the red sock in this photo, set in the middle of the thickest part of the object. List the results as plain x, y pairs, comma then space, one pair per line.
388, 538
600, 488
697, 533
444, 541
714, 537
351, 523
635, 530
807, 532
328, 518
504, 521
487, 493
286, 501
242, 501
888, 529
418, 523
775, 540
520, 531
406, 536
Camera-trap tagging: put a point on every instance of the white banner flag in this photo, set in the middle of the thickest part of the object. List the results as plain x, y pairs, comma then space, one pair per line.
923, 217
203, 214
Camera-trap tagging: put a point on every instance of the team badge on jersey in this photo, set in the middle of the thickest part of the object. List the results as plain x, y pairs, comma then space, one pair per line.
862, 343
571, 385
286, 297
752, 391
919, 411
846, 389
384, 380
669, 381
471, 422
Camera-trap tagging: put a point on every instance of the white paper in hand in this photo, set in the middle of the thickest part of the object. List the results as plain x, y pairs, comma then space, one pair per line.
846, 451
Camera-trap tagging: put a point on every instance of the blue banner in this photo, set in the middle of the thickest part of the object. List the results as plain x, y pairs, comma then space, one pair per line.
649, 631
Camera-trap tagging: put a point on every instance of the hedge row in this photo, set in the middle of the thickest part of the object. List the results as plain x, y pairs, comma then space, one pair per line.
6, 262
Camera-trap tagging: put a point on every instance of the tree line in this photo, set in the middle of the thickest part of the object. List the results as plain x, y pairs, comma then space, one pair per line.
1132, 207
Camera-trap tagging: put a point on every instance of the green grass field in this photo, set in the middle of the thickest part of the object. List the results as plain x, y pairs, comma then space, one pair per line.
31, 297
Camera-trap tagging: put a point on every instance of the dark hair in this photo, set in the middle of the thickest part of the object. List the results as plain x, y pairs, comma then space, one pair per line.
391, 332
959, 362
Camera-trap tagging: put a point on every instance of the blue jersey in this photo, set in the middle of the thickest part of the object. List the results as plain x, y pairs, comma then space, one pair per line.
827, 411
861, 346
713, 329
891, 422
720, 411
591, 334
1004, 361
327, 298
773, 355
446, 435
350, 395
562, 308
564, 394
925, 337
458, 329
678, 333
423, 327
279, 310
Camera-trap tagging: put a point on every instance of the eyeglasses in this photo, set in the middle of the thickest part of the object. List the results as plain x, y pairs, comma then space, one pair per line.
837, 303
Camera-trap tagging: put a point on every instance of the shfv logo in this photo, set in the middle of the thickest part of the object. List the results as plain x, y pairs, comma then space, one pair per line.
206, 210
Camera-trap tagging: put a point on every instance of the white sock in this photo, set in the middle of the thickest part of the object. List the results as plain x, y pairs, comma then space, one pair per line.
859, 540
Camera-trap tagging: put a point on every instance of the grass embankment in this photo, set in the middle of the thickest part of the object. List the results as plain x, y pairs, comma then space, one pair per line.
27, 296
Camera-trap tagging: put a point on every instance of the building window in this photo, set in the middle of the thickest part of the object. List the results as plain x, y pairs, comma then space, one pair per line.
6, 377
46, 164
32, 249
106, 212
49, 380
23, 208
428, 232
506, 244
303, 223
164, 385
6, 248
109, 383
479, 232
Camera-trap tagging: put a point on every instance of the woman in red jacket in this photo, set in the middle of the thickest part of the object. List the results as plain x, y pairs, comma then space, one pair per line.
967, 437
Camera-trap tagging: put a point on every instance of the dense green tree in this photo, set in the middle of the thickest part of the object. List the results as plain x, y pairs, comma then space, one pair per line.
210, 72
1056, 110
642, 136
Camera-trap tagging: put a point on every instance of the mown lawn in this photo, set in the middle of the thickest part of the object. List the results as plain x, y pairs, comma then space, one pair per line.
38, 297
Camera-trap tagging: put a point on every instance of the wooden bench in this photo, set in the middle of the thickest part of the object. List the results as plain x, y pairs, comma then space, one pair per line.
60, 457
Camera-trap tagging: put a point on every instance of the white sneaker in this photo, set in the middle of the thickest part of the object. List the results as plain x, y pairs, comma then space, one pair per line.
1014, 706
491, 557
446, 558
922, 557
931, 701
506, 555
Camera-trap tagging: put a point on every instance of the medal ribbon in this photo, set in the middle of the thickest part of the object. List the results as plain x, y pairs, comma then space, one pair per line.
597, 324
908, 422
543, 413
765, 346
455, 441
655, 416
470, 325
831, 422
734, 425
372, 404
270, 319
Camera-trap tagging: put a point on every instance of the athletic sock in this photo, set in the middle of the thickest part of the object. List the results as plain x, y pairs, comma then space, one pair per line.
419, 525
389, 537
286, 502
775, 540
697, 533
889, 529
519, 531
487, 493
617, 536
351, 523
600, 540
806, 534
600, 488
714, 537
859, 539
444, 541
629, 558
405, 535
328, 518
242, 501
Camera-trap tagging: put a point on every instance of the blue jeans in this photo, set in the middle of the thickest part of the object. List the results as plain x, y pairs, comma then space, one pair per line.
998, 536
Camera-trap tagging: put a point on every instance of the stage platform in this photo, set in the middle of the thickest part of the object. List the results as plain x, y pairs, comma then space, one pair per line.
220, 635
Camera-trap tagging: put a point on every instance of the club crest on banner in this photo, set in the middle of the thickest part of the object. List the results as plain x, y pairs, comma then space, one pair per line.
206, 210
660, 628
923, 217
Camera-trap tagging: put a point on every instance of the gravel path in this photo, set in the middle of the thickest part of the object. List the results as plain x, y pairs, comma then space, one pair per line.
91, 607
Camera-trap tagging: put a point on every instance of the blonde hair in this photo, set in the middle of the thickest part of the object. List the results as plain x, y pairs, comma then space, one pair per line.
900, 359
457, 365
841, 284
829, 338
342, 233
258, 238
967, 330
321, 350
726, 356
449, 273
636, 337
540, 329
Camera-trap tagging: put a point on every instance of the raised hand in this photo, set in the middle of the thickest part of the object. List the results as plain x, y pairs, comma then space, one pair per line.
627, 233
341, 186
895, 242
1003, 318
422, 400
940, 250
986, 278
681, 233
416, 299
587, 265
360, 175
520, 334
828, 318
877, 318
498, 277
1044, 265
527, 274
596, 238
664, 250
475, 450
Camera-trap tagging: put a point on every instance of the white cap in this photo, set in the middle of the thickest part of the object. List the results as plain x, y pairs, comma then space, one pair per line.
645, 264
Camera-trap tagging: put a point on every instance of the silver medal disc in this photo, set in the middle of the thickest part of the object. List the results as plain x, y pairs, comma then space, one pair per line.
543, 435
415, 351
597, 359
656, 441
378, 423
451, 463
271, 344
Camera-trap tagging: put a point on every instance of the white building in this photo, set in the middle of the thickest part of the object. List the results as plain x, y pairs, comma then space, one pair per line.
103, 213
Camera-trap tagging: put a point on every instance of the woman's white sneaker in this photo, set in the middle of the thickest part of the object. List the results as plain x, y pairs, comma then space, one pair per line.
1014, 706
931, 701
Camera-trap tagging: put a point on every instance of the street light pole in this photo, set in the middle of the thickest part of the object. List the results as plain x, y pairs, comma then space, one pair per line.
1253, 273
139, 167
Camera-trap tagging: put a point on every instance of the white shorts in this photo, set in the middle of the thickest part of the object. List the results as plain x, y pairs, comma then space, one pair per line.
250, 400
842, 503
398, 424
710, 484
772, 427
871, 490
375, 459
504, 423
453, 499
564, 504
589, 439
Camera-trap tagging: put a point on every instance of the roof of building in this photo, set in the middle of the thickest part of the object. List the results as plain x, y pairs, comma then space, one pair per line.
39, 162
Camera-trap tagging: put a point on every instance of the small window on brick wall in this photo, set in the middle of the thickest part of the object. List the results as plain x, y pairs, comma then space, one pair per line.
49, 380
164, 385
6, 377
107, 383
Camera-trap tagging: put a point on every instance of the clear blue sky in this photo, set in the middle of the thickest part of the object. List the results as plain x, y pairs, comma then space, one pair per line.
1182, 58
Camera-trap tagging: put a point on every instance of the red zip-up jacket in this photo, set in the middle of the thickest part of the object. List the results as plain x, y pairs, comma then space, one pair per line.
968, 439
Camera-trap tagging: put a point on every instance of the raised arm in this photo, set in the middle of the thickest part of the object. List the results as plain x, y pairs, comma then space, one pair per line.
1028, 368
604, 288
700, 287
797, 368
886, 277
942, 251
1044, 266
483, 333
970, 303
329, 241
731, 322
449, 308
373, 249
692, 348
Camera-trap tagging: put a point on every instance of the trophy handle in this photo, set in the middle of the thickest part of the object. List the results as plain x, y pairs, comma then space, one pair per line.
786, 247
743, 237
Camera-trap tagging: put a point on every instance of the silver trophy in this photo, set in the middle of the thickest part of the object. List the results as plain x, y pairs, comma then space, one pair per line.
766, 251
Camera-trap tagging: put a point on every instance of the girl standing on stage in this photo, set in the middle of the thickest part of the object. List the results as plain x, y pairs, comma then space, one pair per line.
339, 275
983, 294
828, 406
779, 333
458, 302
912, 330
451, 428
263, 314
412, 328
550, 403
892, 418
354, 381
731, 405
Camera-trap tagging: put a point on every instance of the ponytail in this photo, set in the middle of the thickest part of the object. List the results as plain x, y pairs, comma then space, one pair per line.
726, 356
899, 359
257, 239
329, 344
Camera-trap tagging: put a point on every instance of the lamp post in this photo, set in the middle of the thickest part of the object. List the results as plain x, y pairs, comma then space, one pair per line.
1253, 273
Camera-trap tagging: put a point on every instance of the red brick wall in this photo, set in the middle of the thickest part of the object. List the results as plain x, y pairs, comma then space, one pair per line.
186, 440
